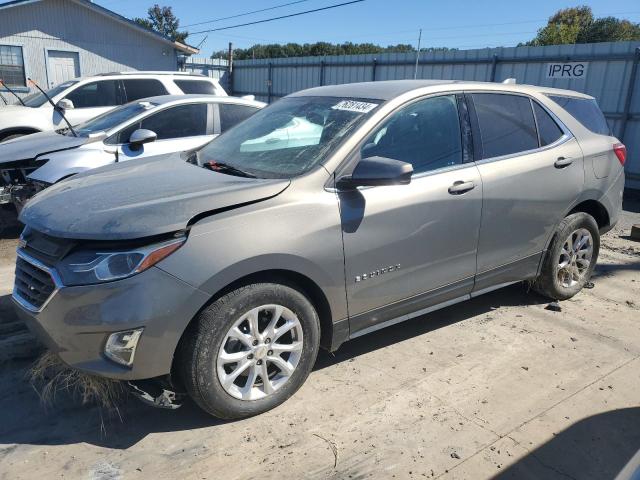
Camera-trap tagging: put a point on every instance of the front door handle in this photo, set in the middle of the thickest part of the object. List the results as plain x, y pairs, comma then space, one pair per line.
562, 162
460, 187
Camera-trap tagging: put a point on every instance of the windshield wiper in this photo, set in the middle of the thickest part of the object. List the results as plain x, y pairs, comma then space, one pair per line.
11, 92
225, 168
56, 108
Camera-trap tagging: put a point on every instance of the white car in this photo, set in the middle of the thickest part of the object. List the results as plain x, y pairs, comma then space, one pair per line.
148, 127
84, 98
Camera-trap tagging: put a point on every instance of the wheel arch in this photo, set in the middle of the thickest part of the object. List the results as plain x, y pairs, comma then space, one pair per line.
17, 130
291, 278
589, 206
594, 208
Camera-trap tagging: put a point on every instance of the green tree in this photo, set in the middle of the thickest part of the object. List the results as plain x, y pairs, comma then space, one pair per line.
162, 20
318, 49
578, 25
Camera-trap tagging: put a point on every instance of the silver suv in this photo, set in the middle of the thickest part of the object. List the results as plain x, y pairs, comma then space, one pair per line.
334, 212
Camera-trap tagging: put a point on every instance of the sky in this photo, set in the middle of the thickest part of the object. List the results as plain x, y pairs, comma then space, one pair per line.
453, 24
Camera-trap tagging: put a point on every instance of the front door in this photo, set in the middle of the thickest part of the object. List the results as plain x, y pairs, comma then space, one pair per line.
409, 247
532, 171
178, 128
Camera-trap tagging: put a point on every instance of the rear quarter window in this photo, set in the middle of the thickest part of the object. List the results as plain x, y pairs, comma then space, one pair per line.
586, 111
200, 87
138, 88
232, 114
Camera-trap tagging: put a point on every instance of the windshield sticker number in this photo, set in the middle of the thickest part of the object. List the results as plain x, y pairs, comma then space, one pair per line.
353, 106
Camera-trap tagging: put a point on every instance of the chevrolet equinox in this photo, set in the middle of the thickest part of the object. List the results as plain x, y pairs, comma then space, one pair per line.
334, 212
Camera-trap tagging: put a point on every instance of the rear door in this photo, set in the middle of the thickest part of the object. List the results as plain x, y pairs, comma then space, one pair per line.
532, 171
409, 247
179, 128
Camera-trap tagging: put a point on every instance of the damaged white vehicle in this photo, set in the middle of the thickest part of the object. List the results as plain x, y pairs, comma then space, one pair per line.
140, 129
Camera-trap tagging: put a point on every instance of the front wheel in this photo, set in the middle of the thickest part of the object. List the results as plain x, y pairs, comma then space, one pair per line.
250, 350
571, 257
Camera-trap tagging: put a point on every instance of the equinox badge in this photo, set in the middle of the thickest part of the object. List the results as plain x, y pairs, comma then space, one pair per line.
377, 273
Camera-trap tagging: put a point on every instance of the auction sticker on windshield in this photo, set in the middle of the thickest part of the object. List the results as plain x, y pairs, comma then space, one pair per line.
353, 106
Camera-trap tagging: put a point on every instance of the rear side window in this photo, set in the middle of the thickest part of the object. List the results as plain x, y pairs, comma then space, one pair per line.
231, 115
506, 124
548, 129
95, 94
142, 88
425, 134
586, 111
200, 87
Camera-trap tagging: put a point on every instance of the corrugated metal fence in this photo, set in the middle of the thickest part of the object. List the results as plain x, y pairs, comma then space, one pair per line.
210, 67
609, 72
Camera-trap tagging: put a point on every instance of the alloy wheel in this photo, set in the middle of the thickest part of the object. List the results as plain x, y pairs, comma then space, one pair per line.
260, 352
575, 257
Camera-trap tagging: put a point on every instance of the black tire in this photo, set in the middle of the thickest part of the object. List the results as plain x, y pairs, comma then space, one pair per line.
197, 356
548, 282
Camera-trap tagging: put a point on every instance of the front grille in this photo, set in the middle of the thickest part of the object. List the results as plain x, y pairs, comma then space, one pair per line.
33, 284
45, 248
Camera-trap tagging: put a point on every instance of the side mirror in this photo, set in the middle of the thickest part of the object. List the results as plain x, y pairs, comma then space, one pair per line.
140, 137
65, 104
377, 171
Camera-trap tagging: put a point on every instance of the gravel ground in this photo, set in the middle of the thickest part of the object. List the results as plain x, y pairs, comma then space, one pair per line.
496, 386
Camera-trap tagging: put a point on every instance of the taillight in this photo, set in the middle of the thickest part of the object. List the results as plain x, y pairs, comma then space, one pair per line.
621, 152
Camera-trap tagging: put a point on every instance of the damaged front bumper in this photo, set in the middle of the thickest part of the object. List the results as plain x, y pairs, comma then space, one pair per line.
15, 185
75, 322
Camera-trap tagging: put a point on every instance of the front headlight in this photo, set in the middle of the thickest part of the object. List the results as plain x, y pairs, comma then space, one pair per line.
85, 267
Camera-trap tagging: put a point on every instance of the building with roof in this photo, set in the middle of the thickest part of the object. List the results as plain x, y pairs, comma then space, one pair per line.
52, 41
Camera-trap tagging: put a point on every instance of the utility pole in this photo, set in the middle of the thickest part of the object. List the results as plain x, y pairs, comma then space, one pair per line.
230, 59
415, 73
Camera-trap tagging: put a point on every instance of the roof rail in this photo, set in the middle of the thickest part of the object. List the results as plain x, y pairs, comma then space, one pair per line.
148, 72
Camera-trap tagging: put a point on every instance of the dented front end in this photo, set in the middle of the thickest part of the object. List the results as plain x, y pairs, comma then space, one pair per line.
15, 186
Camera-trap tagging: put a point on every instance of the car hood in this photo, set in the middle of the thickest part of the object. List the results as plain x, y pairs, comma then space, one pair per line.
36, 144
140, 198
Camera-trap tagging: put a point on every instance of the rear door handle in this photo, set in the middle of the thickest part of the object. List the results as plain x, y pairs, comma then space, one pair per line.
562, 162
460, 187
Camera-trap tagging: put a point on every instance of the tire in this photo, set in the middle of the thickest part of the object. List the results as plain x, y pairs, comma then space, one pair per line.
562, 283
209, 342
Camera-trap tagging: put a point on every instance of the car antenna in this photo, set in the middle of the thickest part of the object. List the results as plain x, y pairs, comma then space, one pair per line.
4, 99
55, 107
11, 92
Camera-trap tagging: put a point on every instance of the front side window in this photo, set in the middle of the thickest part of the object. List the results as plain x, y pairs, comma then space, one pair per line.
174, 122
137, 88
586, 111
290, 137
200, 87
103, 93
425, 134
506, 124
12, 66
231, 114
548, 129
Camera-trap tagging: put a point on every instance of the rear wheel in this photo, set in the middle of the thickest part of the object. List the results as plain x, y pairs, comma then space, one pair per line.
250, 350
571, 257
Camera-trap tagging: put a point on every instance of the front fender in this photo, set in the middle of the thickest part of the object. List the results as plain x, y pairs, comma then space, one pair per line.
63, 164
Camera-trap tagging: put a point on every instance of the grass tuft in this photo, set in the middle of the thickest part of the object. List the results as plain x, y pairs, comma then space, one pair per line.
50, 375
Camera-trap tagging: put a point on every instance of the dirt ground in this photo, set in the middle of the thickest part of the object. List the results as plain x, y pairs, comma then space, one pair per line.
498, 386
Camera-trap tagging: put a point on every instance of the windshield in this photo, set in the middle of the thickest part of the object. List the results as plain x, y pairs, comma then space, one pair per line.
289, 137
112, 118
37, 99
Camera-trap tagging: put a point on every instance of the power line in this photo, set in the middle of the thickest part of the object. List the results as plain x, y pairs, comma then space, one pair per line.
278, 18
245, 13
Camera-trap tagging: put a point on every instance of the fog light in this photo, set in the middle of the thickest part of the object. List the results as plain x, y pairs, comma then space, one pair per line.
121, 346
